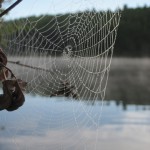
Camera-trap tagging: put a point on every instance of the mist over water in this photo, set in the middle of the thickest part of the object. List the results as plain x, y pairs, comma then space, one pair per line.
128, 81
45, 122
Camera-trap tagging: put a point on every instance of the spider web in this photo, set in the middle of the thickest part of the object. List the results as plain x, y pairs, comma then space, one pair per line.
68, 55
75, 48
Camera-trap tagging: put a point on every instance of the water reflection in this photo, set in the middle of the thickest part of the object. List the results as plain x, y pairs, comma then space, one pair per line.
59, 123
2, 128
69, 124
128, 81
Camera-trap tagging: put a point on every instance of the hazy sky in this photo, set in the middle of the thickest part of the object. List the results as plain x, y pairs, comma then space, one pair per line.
37, 7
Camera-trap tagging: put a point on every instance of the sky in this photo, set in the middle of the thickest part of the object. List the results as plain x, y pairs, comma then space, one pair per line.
38, 7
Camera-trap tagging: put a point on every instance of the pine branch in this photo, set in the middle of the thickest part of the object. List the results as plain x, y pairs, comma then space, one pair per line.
9, 8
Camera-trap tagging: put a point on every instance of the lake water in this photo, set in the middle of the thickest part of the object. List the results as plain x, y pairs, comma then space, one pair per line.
60, 123
120, 122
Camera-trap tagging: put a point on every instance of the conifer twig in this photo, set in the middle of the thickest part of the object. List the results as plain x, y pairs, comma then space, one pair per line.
9, 8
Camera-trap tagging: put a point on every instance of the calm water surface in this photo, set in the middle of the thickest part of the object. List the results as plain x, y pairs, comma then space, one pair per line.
58, 123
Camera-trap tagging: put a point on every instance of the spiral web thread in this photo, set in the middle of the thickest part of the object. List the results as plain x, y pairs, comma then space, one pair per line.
84, 42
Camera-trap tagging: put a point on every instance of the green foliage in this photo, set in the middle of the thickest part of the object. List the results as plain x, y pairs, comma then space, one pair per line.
134, 33
132, 38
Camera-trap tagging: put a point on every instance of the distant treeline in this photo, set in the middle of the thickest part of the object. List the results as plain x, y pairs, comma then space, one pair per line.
83, 34
133, 37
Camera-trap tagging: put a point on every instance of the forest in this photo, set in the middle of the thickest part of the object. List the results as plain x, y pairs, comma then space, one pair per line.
133, 37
